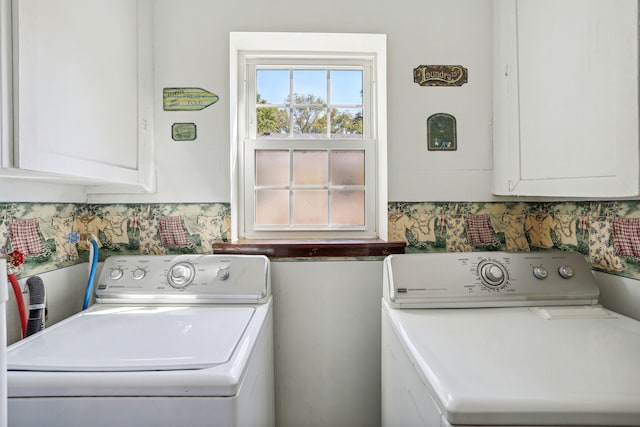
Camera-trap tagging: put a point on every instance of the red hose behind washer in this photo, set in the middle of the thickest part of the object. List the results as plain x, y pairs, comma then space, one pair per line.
22, 310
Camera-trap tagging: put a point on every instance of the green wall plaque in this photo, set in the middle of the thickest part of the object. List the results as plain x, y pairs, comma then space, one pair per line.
441, 132
183, 131
187, 99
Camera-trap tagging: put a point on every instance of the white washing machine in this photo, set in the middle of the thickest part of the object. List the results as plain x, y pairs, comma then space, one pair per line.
172, 341
504, 339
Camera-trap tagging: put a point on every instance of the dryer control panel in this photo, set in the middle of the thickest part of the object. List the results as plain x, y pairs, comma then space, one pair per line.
184, 278
488, 279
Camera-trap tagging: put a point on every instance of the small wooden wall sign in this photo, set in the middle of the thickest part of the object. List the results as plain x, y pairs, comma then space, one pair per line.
440, 75
442, 132
183, 132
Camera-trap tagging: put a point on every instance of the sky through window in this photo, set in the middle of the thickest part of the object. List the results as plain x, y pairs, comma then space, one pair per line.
346, 85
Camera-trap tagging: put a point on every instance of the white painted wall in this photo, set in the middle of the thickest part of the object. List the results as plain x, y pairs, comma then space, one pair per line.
191, 40
13, 190
191, 49
618, 293
65, 290
327, 342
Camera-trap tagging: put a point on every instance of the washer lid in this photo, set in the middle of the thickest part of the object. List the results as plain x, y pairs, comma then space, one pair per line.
139, 338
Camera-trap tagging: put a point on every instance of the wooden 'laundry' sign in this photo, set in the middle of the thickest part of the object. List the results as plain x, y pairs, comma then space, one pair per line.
440, 75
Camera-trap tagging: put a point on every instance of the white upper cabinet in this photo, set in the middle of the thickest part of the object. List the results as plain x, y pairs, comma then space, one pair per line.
83, 82
566, 98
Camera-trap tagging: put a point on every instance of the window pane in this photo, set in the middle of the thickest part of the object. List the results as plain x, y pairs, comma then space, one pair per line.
272, 122
307, 164
346, 123
346, 87
347, 167
310, 121
310, 86
310, 167
272, 86
272, 167
272, 207
310, 207
347, 207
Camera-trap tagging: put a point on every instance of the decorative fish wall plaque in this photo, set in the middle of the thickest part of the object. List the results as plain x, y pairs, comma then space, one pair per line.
187, 98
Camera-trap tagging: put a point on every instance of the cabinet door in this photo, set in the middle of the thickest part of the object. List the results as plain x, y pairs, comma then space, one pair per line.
84, 89
566, 98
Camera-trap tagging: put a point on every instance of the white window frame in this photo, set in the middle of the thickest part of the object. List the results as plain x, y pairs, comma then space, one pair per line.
244, 49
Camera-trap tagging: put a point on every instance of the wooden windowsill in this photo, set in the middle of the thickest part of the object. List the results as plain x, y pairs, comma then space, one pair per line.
312, 248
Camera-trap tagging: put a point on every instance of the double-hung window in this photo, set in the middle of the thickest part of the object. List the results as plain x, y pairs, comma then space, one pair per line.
308, 135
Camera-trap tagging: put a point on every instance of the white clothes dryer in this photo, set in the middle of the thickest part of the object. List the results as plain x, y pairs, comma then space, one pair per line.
171, 341
504, 339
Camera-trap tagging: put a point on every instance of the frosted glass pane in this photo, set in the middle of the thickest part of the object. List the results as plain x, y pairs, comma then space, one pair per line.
310, 207
346, 87
272, 86
347, 207
272, 207
310, 167
272, 167
347, 167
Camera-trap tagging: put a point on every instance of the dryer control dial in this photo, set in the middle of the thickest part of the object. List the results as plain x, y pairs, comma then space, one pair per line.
223, 273
181, 275
492, 274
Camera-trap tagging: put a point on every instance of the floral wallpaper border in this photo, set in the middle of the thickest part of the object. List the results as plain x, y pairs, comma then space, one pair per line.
54, 236
607, 233
63, 229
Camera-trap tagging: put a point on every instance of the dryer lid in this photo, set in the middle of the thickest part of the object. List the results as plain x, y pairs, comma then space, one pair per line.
141, 338
512, 366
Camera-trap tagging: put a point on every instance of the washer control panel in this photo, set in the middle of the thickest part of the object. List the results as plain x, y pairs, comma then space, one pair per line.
196, 278
488, 278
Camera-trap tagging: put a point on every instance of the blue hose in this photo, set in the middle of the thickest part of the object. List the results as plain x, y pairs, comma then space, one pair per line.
92, 275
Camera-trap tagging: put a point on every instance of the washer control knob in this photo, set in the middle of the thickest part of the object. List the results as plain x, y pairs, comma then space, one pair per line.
223, 273
540, 272
492, 274
566, 272
139, 273
181, 275
115, 273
